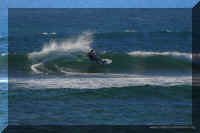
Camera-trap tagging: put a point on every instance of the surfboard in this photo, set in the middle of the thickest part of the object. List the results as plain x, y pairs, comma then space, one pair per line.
107, 61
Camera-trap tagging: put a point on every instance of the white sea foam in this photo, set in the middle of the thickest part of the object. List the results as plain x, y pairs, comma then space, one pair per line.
53, 33
34, 68
79, 44
103, 82
54, 49
3, 81
44, 33
4, 54
173, 53
48, 33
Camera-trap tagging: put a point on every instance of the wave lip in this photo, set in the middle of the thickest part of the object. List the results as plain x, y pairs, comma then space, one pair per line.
55, 61
55, 50
173, 53
79, 44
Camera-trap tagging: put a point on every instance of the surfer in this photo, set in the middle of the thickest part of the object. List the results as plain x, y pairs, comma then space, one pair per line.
93, 57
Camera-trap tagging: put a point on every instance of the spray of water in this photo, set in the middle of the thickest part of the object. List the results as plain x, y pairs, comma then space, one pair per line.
54, 50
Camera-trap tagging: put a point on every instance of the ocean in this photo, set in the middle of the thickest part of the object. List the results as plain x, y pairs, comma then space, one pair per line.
52, 81
3, 70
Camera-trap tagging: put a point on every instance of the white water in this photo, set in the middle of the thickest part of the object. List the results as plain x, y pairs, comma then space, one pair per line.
54, 50
3, 54
3, 83
173, 54
97, 81
3, 80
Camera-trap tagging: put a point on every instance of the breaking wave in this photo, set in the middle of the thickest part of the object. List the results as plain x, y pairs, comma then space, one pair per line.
132, 62
70, 56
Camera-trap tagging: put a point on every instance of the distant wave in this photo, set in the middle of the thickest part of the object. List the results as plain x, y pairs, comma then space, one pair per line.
171, 53
131, 30
48, 33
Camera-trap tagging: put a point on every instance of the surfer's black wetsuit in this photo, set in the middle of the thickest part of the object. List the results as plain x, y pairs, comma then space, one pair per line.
93, 57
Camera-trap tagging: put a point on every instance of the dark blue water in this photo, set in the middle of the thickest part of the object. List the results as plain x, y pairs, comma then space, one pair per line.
118, 29
52, 81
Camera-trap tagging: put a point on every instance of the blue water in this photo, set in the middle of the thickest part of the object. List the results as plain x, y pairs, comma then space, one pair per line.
103, 4
3, 70
52, 81
3, 104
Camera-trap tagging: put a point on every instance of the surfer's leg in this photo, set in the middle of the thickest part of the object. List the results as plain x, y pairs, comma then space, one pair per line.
91, 58
100, 61
97, 60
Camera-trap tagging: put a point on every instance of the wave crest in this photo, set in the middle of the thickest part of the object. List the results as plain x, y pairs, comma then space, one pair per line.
80, 44
173, 53
54, 50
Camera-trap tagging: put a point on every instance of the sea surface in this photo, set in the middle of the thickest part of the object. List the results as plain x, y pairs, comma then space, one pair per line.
3, 70
52, 81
